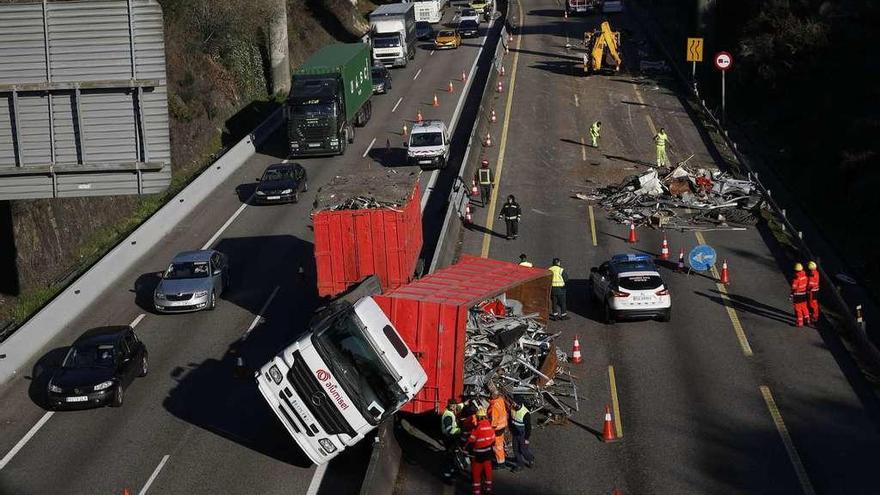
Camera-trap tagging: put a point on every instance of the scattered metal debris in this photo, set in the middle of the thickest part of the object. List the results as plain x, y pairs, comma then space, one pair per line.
367, 190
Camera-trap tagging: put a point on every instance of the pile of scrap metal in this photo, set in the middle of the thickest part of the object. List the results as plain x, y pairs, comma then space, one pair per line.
681, 198
367, 189
514, 353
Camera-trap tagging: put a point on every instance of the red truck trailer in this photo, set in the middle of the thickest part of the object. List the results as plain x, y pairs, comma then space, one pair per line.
365, 224
431, 315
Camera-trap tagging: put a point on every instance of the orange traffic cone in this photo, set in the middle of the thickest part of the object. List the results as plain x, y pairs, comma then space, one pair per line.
125, 491
474, 191
725, 275
608, 434
468, 219
488, 142
501, 72
576, 352
419, 116
463, 76
451, 87
500, 87
664, 249
681, 260
633, 238
492, 117
436, 102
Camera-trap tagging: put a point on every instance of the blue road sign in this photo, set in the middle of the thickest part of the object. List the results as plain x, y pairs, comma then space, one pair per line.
702, 257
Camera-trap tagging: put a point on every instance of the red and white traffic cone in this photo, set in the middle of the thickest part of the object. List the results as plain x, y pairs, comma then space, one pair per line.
436, 102
566, 14
451, 87
463, 76
681, 260
474, 191
576, 352
492, 117
664, 249
725, 274
468, 219
488, 142
500, 87
419, 117
608, 433
501, 72
633, 238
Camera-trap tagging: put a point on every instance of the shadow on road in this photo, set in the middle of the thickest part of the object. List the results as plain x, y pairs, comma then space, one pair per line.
41, 374
143, 290
744, 305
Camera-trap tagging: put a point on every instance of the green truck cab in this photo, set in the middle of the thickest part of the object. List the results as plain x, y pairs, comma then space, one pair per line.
330, 95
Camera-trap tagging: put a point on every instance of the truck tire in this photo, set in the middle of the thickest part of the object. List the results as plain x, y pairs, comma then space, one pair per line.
349, 134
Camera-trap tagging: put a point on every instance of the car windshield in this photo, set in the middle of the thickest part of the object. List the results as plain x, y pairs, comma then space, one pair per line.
468, 13
186, 269
315, 110
378, 75
468, 24
639, 282
423, 27
358, 367
446, 34
389, 42
426, 139
90, 356
278, 174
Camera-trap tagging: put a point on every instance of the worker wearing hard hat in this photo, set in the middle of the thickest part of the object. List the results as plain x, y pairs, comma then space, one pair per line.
813, 291
480, 442
799, 295
557, 291
498, 417
661, 139
594, 133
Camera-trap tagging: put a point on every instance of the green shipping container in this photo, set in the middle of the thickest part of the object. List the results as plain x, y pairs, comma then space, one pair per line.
352, 61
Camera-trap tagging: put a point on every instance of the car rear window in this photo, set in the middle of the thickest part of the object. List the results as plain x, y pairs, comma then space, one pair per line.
639, 282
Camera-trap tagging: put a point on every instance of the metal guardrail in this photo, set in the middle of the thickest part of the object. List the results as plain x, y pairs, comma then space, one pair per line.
853, 321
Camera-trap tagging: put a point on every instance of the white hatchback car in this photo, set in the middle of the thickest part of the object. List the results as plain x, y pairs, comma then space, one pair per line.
629, 286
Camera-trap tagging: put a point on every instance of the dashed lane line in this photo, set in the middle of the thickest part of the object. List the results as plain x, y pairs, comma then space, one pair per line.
593, 225
259, 317
154, 475
137, 320
647, 116
394, 109
793, 455
25, 439
369, 148
417, 74
577, 102
583, 149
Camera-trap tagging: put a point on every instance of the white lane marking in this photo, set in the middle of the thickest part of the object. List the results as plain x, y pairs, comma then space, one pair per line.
315, 484
397, 104
137, 320
153, 476
24, 440
429, 187
417, 74
432, 52
369, 148
576, 102
259, 316
225, 225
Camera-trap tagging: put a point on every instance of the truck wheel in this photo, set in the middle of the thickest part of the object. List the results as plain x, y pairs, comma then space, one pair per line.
349, 134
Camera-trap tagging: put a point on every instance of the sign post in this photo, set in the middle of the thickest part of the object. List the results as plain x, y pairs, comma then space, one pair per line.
694, 53
723, 62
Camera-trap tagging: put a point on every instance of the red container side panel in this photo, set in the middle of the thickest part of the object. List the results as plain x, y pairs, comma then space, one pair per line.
353, 244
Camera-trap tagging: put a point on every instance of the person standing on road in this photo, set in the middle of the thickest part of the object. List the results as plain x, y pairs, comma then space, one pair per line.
661, 139
557, 291
511, 213
799, 295
486, 179
594, 133
451, 436
498, 417
480, 441
524, 261
521, 429
813, 291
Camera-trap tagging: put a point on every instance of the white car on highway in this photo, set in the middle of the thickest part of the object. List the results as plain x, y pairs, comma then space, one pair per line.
469, 14
629, 286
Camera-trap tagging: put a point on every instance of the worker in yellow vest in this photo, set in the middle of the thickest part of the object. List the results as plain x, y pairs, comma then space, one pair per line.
661, 139
557, 291
451, 435
595, 129
524, 261
521, 430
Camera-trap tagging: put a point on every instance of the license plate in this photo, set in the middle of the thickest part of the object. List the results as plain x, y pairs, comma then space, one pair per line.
642, 298
273, 197
314, 145
81, 398
424, 162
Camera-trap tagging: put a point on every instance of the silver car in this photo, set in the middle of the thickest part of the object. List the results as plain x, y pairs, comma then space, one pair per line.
192, 282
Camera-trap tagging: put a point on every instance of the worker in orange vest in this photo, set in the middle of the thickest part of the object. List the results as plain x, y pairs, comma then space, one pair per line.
498, 416
813, 291
799, 295
480, 443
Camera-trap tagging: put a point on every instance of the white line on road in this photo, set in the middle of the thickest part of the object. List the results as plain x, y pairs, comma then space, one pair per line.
315, 484
138, 320
262, 310
577, 103
21, 443
417, 74
153, 476
225, 225
432, 52
397, 104
369, 148
793, 456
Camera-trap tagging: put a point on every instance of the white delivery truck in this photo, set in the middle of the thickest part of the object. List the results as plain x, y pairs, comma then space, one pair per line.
393, 34
340, 380
429, 10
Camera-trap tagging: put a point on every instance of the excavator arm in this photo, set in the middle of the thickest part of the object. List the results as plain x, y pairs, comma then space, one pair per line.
597, 42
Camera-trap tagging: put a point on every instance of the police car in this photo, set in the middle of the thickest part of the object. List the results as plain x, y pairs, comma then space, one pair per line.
629, 286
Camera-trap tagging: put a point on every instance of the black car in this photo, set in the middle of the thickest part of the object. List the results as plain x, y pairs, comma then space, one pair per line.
381, 79
424, 31
98, 368
282, 183
468, 28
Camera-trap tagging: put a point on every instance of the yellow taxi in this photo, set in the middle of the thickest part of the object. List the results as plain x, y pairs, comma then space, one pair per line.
447, 38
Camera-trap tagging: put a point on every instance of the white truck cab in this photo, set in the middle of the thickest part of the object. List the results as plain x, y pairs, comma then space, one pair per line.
339, 381
428, 145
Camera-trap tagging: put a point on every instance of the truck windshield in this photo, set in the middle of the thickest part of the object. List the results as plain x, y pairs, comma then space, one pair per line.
314, 110
426, 139
386, 42
357, 366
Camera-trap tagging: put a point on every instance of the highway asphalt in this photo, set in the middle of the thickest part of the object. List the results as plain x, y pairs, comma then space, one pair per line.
729, 397
192, 426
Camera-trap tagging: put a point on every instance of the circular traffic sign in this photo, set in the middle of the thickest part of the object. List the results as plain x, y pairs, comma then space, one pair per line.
723, 61
702, 257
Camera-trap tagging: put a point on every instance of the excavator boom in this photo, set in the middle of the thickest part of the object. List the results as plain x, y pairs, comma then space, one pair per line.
603, 46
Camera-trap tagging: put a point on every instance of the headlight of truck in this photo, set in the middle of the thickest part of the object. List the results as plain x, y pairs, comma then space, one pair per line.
327, 444
159, 295
104, 385
287, 191
275, 373
334, 141
53, 388
200, 293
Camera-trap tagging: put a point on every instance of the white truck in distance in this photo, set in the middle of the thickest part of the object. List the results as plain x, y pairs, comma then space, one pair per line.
340, 380
393, 34
429, 10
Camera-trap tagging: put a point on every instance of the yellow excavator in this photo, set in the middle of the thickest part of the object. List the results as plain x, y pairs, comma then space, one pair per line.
603, 49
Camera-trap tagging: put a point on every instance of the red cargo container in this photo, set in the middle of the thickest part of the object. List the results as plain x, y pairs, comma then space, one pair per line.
431, 316
353, 244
